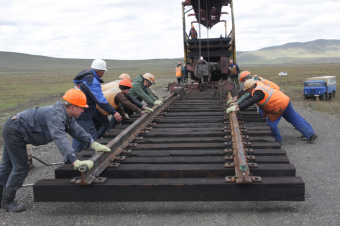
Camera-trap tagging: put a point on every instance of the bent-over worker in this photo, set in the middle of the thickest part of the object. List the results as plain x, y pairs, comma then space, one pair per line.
89, 81
39, 126
275, 105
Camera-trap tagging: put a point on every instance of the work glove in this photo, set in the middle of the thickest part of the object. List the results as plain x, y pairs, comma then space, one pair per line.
158, 102
231, 109
150, 109
229, 101
87, 163
99, 147
127, 116
162, 99
146, 112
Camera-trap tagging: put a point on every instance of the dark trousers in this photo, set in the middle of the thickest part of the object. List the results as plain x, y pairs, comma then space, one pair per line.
101, 123
85, 121
14, 167
295, 119
179, 79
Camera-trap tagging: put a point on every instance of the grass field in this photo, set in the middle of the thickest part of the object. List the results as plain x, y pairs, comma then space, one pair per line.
41, 81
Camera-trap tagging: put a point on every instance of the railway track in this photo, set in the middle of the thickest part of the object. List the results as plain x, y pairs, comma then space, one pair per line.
187, 150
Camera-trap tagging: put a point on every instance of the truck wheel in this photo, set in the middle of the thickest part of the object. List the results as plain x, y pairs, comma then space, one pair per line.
330, 96
322, 97
333, 94
306, 98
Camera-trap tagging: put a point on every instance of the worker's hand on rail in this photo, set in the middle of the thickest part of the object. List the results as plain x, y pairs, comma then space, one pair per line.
235, 98
231, 108
162, 99
99, 147
127, 116
87, 163
237, 108
149, 109
230, 100
146, 112
118, 117
158, 102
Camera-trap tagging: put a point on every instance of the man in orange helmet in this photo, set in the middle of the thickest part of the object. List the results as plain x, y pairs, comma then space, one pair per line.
179, 74
275, 105
193, 33
39, 126
116, 97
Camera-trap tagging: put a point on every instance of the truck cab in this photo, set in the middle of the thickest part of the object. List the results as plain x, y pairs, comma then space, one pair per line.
323, 87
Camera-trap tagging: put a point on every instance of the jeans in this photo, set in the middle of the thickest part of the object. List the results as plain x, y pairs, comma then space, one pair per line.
85, 121
14, 167
113, 123
295, 119
101, 123
235, 80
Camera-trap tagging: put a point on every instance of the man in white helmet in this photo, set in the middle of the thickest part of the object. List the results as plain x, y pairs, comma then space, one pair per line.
89, 81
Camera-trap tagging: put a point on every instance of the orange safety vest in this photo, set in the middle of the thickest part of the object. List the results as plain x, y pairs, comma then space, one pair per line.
193, 33
110, 85
179, 71
268, 83
274, 102
110, 96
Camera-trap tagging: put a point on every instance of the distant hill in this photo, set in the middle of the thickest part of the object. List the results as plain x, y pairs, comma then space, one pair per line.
317, 51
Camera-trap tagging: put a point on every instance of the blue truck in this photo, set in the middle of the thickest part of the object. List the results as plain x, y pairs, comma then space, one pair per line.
323, 87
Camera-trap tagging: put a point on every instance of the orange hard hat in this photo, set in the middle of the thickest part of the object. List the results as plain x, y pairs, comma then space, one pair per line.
76, 97
125, 82
124, 76
150, 77
244, 74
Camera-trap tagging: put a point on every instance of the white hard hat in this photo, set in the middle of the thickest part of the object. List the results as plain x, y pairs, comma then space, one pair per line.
201, 58
99, 65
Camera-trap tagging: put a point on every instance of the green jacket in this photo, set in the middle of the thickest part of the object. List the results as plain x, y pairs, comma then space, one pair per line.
140, 92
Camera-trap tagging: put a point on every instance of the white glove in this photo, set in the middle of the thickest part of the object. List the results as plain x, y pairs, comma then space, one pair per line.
127, 116
231, 109
87, 163
158, 102
150, 109
99, 147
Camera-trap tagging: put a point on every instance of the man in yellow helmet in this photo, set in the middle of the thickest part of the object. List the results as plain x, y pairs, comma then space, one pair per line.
140, 89
39, 126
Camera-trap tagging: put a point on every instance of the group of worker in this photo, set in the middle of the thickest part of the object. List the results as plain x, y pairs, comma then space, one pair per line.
83, 115
273, 104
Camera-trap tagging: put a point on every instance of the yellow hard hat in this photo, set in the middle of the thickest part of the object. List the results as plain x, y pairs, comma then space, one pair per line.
150, 77
125, 76
249, 83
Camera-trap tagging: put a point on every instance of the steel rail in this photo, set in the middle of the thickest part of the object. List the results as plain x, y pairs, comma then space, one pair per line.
242, 173
102, 160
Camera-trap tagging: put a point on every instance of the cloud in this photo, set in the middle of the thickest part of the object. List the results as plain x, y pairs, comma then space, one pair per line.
148, 29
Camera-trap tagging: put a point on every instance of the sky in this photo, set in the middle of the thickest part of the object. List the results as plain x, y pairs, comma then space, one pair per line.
152, 29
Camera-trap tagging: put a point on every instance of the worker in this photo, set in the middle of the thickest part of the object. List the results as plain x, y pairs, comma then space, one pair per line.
202, 69
193, 33
117, 99
39, 126
179, 74
274, 104
266, 82
140, 91
89, 81
115, 83
152, 91
233, 73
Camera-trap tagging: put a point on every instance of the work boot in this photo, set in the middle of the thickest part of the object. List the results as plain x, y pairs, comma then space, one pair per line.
279, 141
1, 189
312, 139
8, 203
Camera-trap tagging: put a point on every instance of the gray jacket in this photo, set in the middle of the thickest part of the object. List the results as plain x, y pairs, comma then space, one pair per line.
43, 125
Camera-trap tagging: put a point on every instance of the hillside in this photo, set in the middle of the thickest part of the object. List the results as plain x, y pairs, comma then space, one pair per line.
317, 51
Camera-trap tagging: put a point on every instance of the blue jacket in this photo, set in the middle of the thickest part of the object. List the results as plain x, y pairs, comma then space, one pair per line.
88, 82
40, 126
234, 75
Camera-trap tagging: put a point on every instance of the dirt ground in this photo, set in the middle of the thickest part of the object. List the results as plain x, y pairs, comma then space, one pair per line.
317, 164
